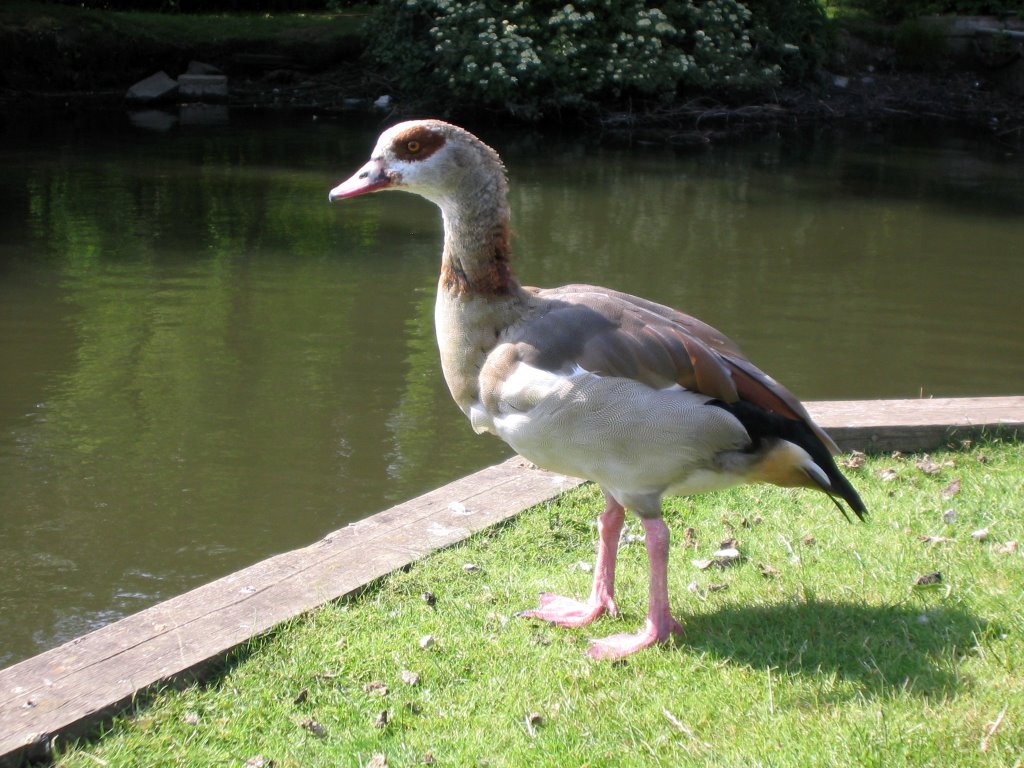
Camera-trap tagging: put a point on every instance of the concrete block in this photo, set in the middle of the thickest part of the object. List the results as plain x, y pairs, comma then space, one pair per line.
210, 88
153, 90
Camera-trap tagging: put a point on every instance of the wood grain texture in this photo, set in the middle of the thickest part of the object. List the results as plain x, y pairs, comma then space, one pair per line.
68, 691
876, 426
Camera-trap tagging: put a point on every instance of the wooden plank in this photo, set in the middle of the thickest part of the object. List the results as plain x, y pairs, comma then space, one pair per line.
877, 426
69, 690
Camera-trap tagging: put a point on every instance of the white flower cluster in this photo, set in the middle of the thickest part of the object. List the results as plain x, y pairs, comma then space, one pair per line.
486, 51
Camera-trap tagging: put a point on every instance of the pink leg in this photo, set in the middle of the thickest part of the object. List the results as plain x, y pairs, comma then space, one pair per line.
567, 612
660, 624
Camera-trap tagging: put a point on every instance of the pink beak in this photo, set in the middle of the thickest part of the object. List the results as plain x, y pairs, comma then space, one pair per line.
369, 178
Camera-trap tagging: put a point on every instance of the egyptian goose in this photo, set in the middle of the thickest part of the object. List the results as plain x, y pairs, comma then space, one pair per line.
589, 382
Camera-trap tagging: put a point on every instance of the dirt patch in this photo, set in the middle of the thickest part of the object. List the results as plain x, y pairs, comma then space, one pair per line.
868, 100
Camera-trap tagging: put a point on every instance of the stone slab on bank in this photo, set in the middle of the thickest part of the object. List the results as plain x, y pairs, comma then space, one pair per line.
68, 691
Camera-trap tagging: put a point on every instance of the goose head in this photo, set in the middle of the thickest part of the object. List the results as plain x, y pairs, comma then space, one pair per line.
436, 160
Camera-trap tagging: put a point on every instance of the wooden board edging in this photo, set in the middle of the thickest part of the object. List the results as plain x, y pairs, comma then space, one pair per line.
881, 426
69, 691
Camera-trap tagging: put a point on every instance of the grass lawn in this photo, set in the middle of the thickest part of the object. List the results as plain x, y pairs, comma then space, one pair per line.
816, 649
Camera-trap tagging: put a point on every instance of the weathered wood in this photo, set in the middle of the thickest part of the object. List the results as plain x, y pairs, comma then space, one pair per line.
69, 690
917, 425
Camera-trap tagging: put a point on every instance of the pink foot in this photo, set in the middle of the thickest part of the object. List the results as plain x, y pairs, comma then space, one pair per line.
566, 612
618, 646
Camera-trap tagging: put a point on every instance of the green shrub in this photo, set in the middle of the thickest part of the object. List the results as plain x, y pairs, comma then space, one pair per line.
793, 32
920, 45
531, 57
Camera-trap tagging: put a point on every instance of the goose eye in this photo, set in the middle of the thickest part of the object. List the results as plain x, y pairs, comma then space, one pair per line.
413, 147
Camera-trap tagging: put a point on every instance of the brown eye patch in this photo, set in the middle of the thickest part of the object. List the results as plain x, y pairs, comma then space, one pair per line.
417, 143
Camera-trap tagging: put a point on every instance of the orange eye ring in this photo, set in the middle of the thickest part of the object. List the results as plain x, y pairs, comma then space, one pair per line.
413, 147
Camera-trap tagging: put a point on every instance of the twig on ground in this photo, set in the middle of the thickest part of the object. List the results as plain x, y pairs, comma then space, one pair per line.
683, 729
992, 728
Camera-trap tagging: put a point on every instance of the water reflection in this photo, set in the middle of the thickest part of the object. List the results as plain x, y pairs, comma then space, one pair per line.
203, 363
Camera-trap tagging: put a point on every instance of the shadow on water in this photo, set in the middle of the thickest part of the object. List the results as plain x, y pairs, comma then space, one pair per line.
876, 648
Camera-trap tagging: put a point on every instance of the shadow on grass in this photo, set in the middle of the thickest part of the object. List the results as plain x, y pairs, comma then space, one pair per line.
879, 648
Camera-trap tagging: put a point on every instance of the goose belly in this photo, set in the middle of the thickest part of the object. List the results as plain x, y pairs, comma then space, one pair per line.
618, 432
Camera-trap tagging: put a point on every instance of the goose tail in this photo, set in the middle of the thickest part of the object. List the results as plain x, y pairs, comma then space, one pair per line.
794, 455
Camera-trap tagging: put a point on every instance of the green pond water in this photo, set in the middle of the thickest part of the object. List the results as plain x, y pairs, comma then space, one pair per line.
203, 363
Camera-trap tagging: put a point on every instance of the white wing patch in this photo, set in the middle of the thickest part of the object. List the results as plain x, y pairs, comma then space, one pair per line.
529, 386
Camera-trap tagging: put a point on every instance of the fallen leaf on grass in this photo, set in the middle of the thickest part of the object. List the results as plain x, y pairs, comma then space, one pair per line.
378, 761
533, 720
949, 516
980, 535
717, 587
928, 466
191, 718
928, 579
886, 475
376, 688
410, 678
768, 571
314, 727
935, 539
727, 554
381, 719
723, 558
808, 540
426, 641
428, 758
856, 460
429, 598
951, 490
301, 696
690, 538
1006, 548
259, 761
471, 568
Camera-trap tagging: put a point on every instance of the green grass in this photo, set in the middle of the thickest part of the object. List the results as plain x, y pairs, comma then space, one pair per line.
836, 659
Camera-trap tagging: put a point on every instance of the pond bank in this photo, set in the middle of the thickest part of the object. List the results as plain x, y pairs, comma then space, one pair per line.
305, 63
70, 690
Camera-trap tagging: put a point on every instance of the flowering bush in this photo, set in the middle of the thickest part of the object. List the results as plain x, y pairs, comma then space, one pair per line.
528, 56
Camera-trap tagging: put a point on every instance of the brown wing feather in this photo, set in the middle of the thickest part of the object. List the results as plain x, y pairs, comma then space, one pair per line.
616, 334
